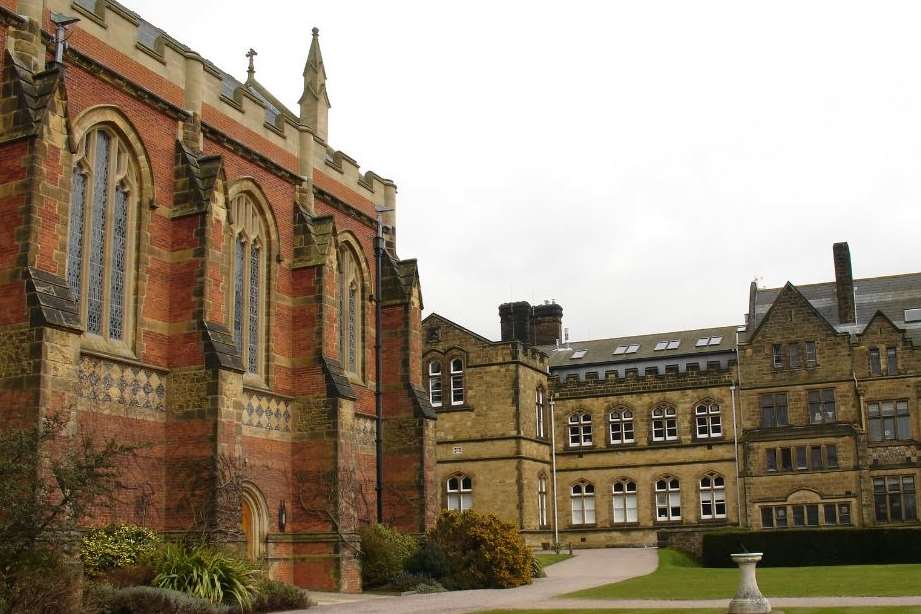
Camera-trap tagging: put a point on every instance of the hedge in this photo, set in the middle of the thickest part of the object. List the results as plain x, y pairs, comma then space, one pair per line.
815, 546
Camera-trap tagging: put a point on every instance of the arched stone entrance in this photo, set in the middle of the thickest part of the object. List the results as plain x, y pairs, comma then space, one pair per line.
254, 521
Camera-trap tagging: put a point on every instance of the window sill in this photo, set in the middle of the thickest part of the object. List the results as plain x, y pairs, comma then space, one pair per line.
627, 444
588, 525
665, 442
668, 523
625, 525
449, 408
127, 360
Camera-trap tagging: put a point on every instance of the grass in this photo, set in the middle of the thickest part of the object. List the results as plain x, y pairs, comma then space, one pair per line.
550, 559
868, 610
680, 577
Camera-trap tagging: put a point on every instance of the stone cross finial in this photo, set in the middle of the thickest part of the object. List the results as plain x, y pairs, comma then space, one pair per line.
252, 69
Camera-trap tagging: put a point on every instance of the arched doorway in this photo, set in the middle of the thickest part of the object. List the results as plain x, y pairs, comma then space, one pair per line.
254, 521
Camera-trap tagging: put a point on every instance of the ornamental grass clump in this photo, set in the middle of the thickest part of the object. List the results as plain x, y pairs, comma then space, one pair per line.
207, 574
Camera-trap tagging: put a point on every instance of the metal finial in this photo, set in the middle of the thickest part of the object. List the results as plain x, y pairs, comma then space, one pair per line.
251, 54
316, 32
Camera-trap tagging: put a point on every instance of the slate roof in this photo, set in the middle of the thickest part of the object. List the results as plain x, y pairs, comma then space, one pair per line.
892, 295
601, 351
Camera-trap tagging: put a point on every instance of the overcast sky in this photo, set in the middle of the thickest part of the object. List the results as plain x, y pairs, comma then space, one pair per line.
639, 162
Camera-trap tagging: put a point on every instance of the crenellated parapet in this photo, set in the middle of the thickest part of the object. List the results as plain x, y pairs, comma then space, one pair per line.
634, 382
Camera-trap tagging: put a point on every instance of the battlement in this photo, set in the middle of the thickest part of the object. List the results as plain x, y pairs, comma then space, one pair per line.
225, 104
633, 381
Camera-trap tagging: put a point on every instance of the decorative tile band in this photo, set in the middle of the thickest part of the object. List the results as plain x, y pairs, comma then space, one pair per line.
111, 383
266, 412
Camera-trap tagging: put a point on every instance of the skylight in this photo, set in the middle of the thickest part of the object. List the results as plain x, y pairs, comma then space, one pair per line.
620, 349
632, 348
578, 354
673, 344
703, 341
716, 340
913, 314
661, 345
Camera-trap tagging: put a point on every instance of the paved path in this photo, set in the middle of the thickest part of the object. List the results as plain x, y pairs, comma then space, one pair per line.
588, 568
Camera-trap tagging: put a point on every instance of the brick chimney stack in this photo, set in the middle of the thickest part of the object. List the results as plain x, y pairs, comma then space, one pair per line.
515, 320
844, 284
547, 324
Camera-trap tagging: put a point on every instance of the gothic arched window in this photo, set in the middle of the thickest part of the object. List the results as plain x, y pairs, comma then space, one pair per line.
101, 239
248, 282
350, 312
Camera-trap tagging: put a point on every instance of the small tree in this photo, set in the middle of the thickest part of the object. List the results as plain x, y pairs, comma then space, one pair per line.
49, 481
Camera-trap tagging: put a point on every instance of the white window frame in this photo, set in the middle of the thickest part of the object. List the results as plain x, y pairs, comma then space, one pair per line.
582, 503
664, 423
712, 496
542, 500
435, 383
620, 425
459, 493
580, 430
624, 502
708, 420
668, 494
457, 381
539, 414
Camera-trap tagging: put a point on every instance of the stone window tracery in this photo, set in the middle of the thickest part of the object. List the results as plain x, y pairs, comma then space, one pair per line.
101, 243
350, 312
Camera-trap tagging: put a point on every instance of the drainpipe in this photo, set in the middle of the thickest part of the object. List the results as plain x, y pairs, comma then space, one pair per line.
735, 445
556, 519
378, 389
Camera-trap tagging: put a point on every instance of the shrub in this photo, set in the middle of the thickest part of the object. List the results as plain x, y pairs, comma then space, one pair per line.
97, 598
481, 551
815, 547
384, 552
275, 596
41, 583
151, 600
432, 586
429, 561
537, 568
208, 574
135, 575
117, 546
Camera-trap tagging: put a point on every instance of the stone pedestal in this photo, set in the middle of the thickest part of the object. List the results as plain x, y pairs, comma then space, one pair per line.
748, 599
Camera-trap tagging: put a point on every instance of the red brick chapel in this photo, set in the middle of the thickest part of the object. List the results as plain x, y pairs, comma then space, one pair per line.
187, 265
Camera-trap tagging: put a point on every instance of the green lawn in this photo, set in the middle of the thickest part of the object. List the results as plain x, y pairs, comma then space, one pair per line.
680, 577
550, 559
876, 610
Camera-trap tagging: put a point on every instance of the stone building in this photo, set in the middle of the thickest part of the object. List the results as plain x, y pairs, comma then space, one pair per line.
187, 265
805, 415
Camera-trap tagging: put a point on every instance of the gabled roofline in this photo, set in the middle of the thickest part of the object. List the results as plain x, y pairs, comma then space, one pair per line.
881, 314
458, 326
816, 312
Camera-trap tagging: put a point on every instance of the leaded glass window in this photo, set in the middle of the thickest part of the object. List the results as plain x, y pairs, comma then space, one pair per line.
247, 285
350, 311
104, 195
